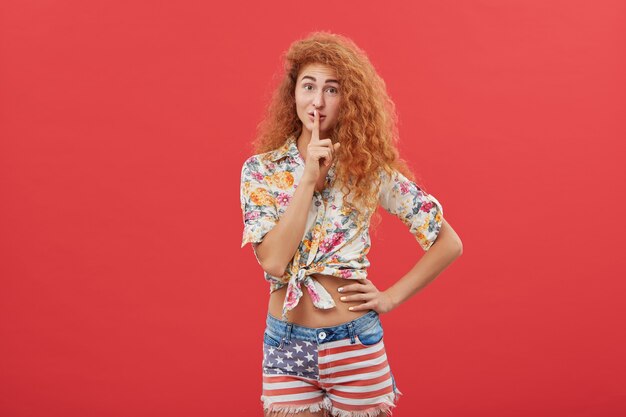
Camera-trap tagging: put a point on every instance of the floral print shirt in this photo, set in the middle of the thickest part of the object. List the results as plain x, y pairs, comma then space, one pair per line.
336, 240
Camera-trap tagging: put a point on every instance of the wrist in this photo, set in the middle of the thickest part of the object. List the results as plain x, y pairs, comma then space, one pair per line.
391, 299
307, 181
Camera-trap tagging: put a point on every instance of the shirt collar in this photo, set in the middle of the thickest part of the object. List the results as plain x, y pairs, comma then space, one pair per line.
288, 148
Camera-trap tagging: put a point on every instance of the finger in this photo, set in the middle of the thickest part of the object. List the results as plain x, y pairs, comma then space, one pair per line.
315, 135
322, 153
328, 145
336, 146
361, 307
319, 155
351, 287
365, 282
357, 297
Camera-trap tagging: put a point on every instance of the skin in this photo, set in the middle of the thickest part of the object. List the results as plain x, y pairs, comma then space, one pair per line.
355, 299
315, 91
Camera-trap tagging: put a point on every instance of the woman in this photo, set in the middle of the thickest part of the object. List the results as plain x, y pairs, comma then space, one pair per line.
326, 158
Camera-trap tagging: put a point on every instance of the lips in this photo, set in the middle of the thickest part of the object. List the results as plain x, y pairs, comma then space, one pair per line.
322, 117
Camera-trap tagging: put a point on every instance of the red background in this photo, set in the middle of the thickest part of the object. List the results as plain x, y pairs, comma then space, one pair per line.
124, 124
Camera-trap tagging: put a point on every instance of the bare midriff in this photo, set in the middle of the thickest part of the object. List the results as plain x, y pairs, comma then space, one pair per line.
306, 314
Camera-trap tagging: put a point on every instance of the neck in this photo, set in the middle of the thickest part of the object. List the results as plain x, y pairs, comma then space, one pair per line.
303, 142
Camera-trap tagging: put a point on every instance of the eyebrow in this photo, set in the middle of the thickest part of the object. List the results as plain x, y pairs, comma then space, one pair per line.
313, 78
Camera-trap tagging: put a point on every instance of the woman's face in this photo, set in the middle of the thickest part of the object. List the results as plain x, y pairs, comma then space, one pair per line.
317, 87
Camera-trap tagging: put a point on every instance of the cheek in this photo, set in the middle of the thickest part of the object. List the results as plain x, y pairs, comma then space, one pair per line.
298, 100
301, 107
298, 108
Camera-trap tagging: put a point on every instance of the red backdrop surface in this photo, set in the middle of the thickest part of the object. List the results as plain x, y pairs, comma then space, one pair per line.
124, 124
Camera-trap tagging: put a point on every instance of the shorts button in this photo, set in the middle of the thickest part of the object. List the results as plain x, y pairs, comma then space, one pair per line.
322, 335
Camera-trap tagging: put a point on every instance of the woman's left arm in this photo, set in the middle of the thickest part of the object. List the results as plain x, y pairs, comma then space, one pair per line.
444, 250
442, 253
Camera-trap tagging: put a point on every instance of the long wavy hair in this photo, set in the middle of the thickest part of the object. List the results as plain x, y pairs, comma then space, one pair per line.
367, 120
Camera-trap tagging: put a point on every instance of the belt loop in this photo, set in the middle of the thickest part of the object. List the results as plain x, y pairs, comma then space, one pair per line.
286, 337
351, 332
289, 327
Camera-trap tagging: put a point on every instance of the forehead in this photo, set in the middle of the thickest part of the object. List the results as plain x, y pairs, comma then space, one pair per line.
318, 70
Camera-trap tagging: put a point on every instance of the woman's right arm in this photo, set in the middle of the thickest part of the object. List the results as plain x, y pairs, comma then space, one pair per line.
279, 245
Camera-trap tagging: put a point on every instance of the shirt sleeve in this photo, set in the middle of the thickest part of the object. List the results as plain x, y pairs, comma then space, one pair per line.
257, 203
420, 211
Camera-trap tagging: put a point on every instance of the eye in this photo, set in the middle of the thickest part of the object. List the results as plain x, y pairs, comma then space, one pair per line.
335, 91
307, 85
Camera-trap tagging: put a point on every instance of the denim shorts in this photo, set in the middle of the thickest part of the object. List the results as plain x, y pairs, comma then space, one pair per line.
342, 369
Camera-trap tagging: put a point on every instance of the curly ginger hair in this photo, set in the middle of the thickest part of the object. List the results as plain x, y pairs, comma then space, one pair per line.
367, 122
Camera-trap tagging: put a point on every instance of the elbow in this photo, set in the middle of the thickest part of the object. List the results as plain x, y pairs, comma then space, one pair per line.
459, 247
453, 241
276, 272
274, 269
453, 246
268, 261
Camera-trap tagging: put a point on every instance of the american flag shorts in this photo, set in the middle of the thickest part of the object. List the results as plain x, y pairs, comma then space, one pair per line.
342, 369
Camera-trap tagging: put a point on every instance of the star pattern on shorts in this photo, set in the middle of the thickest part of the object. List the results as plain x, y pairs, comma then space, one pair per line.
296, 358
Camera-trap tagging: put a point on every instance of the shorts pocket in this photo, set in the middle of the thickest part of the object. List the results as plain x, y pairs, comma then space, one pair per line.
371, 335
270, 339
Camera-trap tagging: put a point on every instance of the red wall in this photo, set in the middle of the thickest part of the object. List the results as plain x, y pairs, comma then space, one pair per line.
123, 127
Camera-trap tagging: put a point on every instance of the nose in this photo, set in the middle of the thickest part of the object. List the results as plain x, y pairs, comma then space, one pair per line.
318, 101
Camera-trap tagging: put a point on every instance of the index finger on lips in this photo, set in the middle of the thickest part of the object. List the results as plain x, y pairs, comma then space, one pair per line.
315, 134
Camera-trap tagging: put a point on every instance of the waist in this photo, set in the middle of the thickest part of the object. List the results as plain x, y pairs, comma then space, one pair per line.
306, 314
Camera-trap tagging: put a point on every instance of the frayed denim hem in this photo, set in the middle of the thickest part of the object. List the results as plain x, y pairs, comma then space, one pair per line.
391, 401
288, 409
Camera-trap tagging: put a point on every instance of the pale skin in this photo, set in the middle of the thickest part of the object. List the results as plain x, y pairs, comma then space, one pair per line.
317, 92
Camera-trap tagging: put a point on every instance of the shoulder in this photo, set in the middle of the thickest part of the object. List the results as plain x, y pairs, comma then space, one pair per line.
260, 168
389, 178
257, 161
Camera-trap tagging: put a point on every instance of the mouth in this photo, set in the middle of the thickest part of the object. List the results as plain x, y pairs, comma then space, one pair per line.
322, 116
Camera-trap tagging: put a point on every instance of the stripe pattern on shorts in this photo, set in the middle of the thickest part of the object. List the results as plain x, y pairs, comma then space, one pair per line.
356, 377
338, 374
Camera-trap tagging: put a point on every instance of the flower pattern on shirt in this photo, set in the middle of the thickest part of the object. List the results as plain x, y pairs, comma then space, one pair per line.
336, 239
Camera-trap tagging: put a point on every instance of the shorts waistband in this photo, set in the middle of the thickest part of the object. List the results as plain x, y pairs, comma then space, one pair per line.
285, 330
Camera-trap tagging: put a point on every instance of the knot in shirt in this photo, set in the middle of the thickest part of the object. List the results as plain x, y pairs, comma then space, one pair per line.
336, 240
319, 295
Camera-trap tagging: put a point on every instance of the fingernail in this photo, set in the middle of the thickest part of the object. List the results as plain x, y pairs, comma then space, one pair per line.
342, 298
349, 308
339, 289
